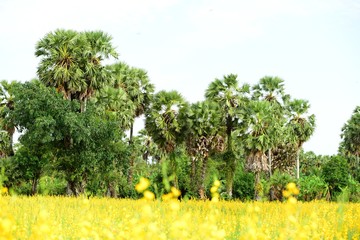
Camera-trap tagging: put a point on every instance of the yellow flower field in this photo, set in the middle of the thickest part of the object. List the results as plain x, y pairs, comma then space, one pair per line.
80, 218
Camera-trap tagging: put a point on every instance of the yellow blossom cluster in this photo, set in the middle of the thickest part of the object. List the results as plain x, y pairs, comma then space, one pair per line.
290, 192
215, 196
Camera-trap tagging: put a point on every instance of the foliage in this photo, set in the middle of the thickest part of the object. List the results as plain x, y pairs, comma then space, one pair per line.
351, 192
162, 121
80, 142
336, 174
277, 184
243, 185
313, 187
351, 135
7, 126
74, 120
312, 164
52, 185
204, 137
71, 62
231, 99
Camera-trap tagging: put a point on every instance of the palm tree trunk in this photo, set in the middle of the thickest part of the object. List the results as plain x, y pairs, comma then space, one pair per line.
11, 132
202, 179
193, 181
298, 164
131, 133
83, 104
34, 185
111, 190
72, 189
230, 179
132, 157
270, 162
230, 172
231, 163
257, 185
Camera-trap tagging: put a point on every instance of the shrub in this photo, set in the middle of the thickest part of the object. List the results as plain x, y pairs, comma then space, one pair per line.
336, 173
277, 184
313, 187
52, 186
243, 185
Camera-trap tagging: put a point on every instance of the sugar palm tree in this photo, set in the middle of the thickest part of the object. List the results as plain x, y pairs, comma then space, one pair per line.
262, 128
71, 62
163, 122
231, 98
116, 104
350, 135
4, 143
203, 137
7, 126
302, 126
135, 82
272, 90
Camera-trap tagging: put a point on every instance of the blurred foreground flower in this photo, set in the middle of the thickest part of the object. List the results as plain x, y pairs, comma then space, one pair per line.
142, 185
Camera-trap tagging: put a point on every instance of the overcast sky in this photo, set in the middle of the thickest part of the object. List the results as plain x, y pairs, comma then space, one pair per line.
184, 45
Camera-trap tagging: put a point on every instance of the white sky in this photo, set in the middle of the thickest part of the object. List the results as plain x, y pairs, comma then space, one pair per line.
314, 45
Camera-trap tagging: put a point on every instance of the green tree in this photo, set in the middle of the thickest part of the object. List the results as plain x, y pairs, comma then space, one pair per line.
7, 126
31, 164
163, 123
262, 130
350, 135
272, 90
231, 99
135, 82
4, 143
79, 141
335, 172
302, 127
116, 104
71, 62
203, 138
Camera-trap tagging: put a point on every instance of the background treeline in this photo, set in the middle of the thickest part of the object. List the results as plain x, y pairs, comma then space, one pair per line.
77, 132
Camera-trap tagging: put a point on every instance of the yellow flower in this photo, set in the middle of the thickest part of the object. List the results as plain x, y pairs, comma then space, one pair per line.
174, 205
175, 192
217, 183
142, 185
215, 197
168, 196
286, 193
4, 190
292, 200
213, 189
296, 191
149, 195
291, 187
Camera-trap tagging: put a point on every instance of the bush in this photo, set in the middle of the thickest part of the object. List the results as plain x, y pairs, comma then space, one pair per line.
313, 187
243, 187
349, 193
52, 186
336, 174
277, 184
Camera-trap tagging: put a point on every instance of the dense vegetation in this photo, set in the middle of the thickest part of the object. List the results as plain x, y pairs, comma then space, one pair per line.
77, 132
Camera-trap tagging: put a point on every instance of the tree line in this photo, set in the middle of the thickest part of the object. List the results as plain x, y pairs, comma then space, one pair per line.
77, 132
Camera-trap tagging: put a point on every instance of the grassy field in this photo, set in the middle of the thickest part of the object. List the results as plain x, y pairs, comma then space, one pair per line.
44, 217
